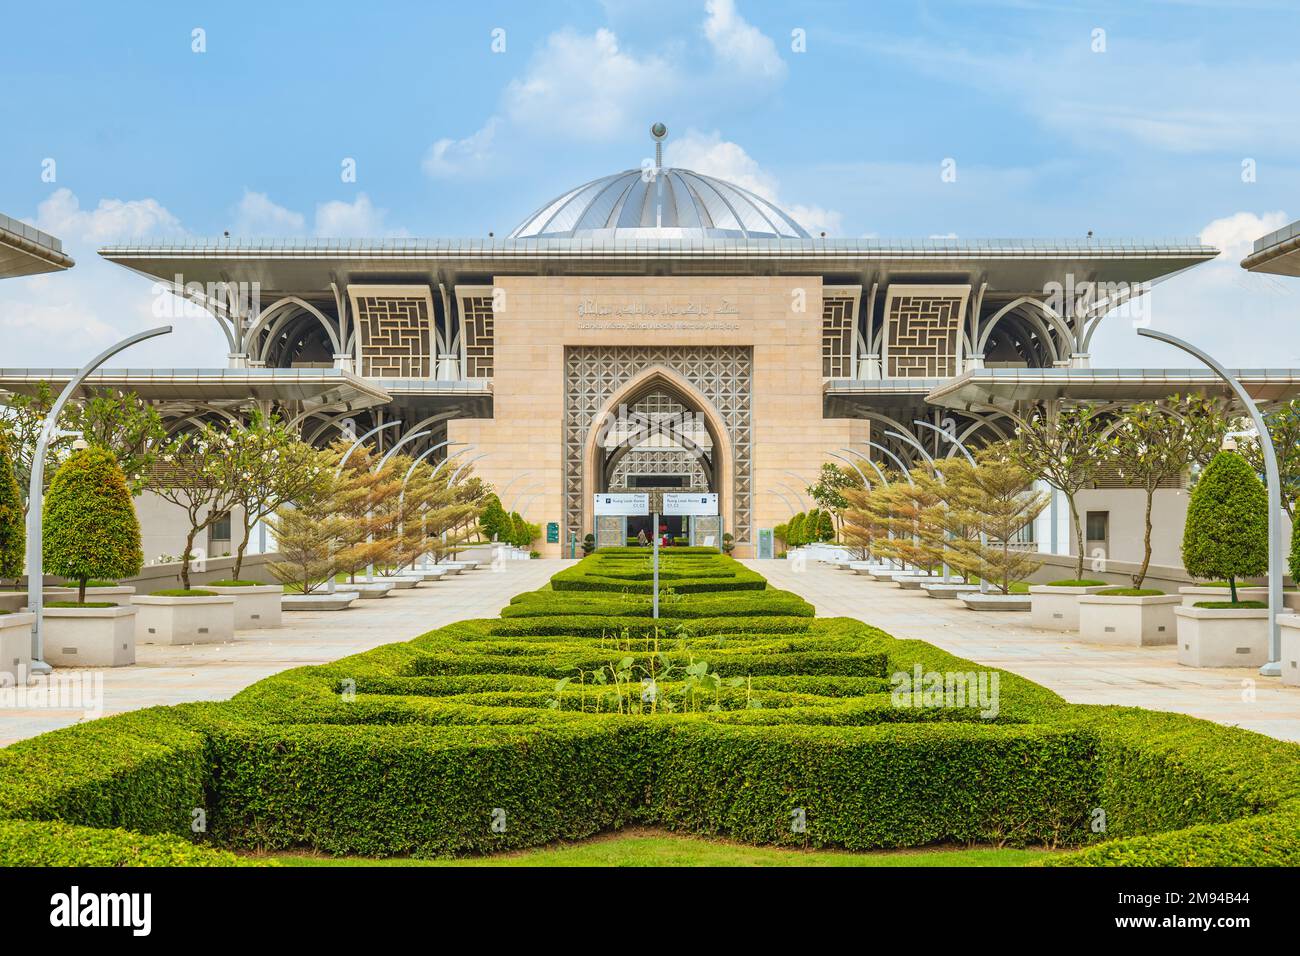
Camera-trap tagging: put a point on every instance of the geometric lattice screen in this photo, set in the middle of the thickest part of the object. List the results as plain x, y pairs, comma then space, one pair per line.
922, 334
837, 336
723, 374
394, 334
478, 322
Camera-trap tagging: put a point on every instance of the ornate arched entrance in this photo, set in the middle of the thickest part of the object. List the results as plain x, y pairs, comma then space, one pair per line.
658, 426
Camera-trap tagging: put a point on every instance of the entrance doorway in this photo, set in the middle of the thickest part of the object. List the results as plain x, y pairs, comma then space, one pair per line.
676, 527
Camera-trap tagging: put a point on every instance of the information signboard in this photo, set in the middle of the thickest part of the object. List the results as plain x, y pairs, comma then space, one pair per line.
634, 503
690, 503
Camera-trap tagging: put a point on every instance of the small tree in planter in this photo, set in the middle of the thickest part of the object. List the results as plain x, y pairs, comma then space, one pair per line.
89, 527
994, 498
728, 543
274, 468
1226, 535
829, 491
1153, 443
795, 530
495, 523
1062, 446
202, 476
13, 536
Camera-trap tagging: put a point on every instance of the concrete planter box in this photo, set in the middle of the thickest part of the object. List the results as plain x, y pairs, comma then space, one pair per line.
399, 582
319, 601
13, 600
120, 594
1057, 609
450, 569
1130, 621
916, 582
1195, 593
184, 620
1222, 637
368, 590
429, 574
948, 591
90, 636
1290, 627
255, 605
898, 576
16, 644
995, 602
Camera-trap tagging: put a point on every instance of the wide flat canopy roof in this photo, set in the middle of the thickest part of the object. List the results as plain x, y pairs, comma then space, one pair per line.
1278, 252
1002, 386
308, 267
326, 386
26, 251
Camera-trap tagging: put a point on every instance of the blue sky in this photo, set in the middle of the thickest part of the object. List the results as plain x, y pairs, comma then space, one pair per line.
1138, 131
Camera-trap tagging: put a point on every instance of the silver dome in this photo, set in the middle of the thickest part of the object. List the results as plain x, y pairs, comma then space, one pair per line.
674, 204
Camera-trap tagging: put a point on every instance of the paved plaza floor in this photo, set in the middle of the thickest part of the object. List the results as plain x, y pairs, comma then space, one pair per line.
1082, 673
175, 675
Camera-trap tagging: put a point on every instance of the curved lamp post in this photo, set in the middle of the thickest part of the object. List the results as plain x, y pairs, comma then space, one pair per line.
1274, 666
440, 464
36, 487
522, 491
874, 466
360, 441
852, 464
420, 457
902, 466
469, 461
398, 444
510, 483
960, 446
781, 494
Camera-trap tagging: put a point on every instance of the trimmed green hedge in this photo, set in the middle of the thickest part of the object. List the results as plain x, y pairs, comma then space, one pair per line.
764, 723
46, 843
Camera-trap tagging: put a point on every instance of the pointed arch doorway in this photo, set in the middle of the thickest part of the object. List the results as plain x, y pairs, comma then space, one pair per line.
657, 432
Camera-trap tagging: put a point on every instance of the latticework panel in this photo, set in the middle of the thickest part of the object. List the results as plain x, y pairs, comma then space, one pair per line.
837, 337
923, 332
394, 334
478, 323
640, 461
723, 374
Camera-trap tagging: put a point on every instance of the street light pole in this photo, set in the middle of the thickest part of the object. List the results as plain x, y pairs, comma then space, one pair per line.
1274, 666
329, 588
36, 488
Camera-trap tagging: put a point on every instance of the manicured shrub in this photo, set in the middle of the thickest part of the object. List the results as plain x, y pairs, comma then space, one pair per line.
89, 526
48, 843
1226, 535
13, 534
494, 523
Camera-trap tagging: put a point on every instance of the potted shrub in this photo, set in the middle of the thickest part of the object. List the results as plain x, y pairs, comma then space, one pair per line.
95, 590
184, 616
728, 543
90, 531
1226, 537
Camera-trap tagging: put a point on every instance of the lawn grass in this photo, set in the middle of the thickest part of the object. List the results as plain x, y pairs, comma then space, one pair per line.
648, 848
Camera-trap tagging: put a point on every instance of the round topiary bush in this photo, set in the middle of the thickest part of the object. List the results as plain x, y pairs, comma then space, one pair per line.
89, 524
13, 538
1226, 536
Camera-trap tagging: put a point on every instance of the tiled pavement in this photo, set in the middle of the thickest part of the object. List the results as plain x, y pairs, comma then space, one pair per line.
174, 675
1084, 673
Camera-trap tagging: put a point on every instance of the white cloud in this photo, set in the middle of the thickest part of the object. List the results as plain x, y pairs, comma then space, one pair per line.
113, 219
1235, 235
457, 157
357, 219
740, 45
710, 154
586, 87
258, 215
1244, 319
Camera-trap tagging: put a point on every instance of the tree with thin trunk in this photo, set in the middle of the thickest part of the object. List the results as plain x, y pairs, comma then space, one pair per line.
200, 474
991, 501
275, 468
1226, 535
1152, 444
1063, 447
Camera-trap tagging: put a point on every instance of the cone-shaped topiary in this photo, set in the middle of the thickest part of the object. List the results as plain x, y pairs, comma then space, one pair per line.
794, 531
1226, 536
89, 526
825, 526
494, 522
13, 537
